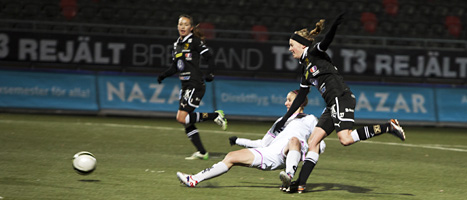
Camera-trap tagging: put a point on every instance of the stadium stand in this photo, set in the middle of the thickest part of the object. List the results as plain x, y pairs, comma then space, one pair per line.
275, 15
368, 23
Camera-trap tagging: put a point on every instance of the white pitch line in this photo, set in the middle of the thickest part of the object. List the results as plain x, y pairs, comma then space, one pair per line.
430, 146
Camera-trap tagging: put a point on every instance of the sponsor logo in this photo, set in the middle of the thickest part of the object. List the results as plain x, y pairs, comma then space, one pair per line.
316, 72
313, 69
178, 55
322, 90
188, 56
184, 78
377, 129
337, 124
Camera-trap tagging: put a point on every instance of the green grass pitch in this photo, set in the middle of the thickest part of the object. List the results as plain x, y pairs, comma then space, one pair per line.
137, 158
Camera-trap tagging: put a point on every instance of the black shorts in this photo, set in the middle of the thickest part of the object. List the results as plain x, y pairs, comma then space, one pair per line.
340, 115
190, 98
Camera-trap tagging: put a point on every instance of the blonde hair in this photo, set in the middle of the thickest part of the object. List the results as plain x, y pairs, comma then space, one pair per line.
196, 30
310, 35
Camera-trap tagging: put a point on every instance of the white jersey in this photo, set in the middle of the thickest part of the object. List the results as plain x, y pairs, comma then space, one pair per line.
301, 127
273, 156
267, 138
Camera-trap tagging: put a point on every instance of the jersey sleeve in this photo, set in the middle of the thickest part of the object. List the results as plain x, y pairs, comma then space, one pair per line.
206, 54
200, 46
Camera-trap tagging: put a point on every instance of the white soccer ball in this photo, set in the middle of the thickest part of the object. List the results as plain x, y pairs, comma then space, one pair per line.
84, 162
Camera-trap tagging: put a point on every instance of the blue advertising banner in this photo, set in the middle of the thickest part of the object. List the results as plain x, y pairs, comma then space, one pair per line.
145, 94
260, 98
385, 102
452, 104
38, 90
41, 90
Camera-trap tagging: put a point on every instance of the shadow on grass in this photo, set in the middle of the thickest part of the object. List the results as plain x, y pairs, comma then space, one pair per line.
317, 187
90, 180
322, 187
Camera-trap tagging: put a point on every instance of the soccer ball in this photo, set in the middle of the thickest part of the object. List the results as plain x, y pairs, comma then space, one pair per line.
84, 162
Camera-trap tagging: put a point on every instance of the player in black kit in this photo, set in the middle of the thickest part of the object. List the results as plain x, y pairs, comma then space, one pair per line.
318, 71
187, 51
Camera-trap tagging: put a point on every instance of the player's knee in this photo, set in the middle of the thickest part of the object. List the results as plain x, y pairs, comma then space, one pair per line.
180, 119
229, 158
294, 141
346, 141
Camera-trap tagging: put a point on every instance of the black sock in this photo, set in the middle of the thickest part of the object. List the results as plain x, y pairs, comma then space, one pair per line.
305, 172
368, 132
200, 117
192, 133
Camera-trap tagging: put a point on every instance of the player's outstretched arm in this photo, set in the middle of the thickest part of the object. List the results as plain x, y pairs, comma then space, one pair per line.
301, 96
327, 40
169, 72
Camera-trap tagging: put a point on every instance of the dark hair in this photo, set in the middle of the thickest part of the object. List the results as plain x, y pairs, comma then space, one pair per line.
196, 30
310, 35
304, 102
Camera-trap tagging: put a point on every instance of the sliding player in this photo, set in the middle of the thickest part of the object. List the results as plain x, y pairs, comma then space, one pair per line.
287, 149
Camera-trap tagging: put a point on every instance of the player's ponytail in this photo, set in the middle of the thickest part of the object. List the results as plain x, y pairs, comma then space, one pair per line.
319, 27
310, 35
198, 32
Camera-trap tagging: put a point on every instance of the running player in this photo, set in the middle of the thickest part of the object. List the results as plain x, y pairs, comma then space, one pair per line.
287, 148
318, 71
186, 59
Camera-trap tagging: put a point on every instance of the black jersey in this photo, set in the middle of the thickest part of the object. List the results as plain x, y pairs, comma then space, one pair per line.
318, 71
186, 60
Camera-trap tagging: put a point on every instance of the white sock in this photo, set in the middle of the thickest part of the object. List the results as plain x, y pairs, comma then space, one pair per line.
312, 156
216, 170
355, 136
291, 162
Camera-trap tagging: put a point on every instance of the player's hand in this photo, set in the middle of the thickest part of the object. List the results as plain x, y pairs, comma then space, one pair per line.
160, 79
233, 140
209, 77
279, 126
339, 18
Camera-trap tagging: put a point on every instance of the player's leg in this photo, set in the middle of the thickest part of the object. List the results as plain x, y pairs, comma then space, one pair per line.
195, 138
192, 98
324, 127
367, 132
311, 158
243, 157
293, 152
344, 119
193, 134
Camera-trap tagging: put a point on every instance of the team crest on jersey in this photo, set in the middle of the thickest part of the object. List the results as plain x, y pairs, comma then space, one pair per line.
180, 65
186, 46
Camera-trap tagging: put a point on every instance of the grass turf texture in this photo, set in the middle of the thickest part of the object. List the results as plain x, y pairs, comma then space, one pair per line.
137, 158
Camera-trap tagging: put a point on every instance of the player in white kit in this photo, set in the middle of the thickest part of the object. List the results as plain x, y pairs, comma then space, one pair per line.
284, 151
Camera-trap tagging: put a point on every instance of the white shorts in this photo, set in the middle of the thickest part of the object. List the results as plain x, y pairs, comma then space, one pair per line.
273, 157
